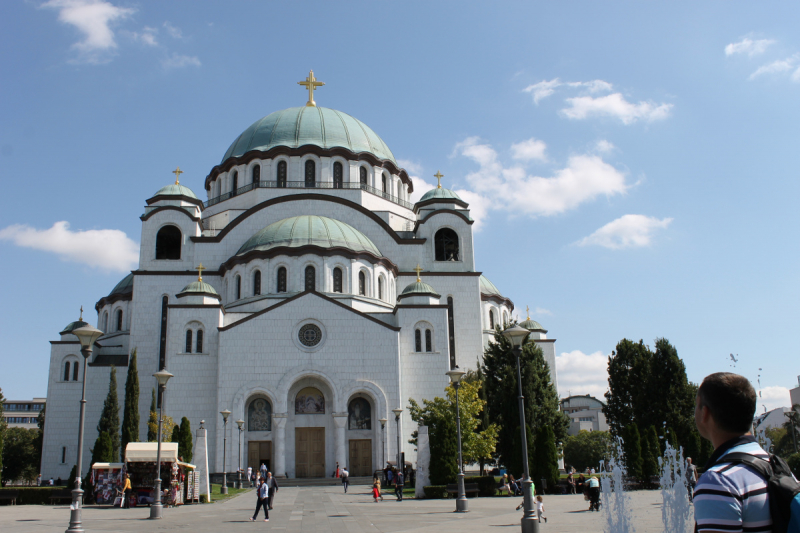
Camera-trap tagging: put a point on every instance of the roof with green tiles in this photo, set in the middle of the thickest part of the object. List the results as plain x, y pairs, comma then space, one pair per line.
310, 125
418, 288
310, 230
175, 190
440, 193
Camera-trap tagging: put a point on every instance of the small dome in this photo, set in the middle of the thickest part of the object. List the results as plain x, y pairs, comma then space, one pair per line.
532, 325
418, 288
72, 326
309, 230
487, 287
440, 194
123, 287
176, 190
318, 126
198, 287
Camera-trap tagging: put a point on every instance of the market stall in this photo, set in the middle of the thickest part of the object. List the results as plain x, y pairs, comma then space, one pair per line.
177, 477
107, 482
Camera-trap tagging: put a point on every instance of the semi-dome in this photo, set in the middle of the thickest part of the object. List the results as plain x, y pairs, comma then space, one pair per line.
532, 325
488, 288
418, 288
176, 189
310, 125
309, 230
123, 287
72, 326
440, 193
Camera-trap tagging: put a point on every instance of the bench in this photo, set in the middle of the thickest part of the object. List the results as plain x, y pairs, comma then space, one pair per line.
10, 495
469, 488
63, 494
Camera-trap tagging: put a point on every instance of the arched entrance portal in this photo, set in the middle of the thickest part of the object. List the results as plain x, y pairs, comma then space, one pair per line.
311, 418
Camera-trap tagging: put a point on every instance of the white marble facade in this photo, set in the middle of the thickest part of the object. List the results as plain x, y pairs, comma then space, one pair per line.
365, 329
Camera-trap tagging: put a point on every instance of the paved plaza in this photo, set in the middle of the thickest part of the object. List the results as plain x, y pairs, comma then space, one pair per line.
327, 509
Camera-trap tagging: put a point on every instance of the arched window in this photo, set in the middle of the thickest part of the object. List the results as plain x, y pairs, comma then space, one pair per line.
259, 415
380, 288
362, 172
491, 319
234, 182
446, 245
238, 287
119, 320
311, 173
198, 345
188, 341
311, 278
383, 184
362, 284
338, 175
282, 279
505, 319
257, 283
337, 279
256, 175
105, 322
417, 341
428, 343
168, 243
75, 371
399, 190
66, 371
281, 174
359, 414
451, 336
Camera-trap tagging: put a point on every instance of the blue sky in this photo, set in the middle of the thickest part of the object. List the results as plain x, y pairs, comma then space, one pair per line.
633, 166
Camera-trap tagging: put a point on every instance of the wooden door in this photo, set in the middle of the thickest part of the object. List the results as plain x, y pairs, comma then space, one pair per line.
259, 452
360, 457
309, 452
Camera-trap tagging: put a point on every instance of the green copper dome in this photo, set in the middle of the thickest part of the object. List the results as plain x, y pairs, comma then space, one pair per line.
310, 230
319, 126
73, 326
440, 194
418, 288
175, 190
532, 325
123, 287
198, 287
487, 287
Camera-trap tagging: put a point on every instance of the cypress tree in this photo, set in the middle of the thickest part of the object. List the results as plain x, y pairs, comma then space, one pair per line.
444, 446
545, 464
185, 444
72, 475
649, 454
109, 418
632, 447
176, 436
130, 417
152, 422
103, 449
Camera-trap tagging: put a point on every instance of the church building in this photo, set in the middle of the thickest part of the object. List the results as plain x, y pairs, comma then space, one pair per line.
307, 295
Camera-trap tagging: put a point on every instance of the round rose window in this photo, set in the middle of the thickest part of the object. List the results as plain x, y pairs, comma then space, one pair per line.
310, 335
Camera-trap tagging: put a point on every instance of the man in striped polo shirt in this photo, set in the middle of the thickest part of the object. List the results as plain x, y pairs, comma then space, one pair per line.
729, 497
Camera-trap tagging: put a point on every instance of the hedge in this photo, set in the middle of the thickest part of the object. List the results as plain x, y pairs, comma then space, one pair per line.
34, 495
435, 491
487, 486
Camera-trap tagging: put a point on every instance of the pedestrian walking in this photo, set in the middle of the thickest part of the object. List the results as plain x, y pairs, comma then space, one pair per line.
126, 491
345, 475
272, 488
250, 475
691, 477
261, 494
376, 489
337, 472
571, 483
540, 509
398, 484
263, 471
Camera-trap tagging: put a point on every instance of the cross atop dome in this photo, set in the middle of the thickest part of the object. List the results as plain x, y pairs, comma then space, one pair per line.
200, 269
418, 269
177, 173
311, 83
439, 177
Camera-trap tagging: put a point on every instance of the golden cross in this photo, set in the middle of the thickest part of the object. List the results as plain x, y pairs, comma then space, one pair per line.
439, 177
312, 83
528, 312
81, 318
418, 270
177, 173
200, 272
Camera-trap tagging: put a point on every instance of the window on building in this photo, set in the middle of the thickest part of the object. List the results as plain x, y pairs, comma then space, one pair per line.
337, 279
311, 278
188, 341
451, 336
238, 287
417, 341
198, 345
399, 190
168, 243
311, 173
380, 288
66, 373
162, 350
491, 319
428, 341
105, 321
256, 175
338, 175
383, 184
362, 173
234, 182
119, 320
63, 454
362, 284
282, 279
446, 244
257, 282
505, 319
75, 369
281, 174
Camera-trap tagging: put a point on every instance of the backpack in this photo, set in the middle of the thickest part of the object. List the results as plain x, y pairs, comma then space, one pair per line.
782, 487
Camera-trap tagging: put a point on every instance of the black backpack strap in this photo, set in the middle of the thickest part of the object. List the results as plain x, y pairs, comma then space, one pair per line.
761, 466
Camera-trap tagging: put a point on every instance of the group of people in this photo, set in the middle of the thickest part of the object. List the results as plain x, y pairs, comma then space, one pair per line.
266, 488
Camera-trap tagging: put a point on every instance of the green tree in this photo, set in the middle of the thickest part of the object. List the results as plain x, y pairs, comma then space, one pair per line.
152, 421
130, 415
19, 452
176, 435
167, 426
109, 418
586, 449
632, 447
628, 371
185, 443
103, 449
2, 431
541, 399
39, 443
545, 453
650, 454
73, 473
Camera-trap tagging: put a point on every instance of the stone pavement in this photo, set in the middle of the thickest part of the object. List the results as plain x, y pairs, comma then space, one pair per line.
328, 510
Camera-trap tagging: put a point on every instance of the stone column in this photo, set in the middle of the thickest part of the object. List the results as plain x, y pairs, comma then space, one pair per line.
423, 461
201, 460
340, 421
279, 423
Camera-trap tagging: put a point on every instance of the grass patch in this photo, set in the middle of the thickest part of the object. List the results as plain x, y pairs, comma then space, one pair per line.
217, 496
408, 492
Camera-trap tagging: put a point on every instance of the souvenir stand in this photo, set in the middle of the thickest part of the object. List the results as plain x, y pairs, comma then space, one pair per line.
107, 481
177, 478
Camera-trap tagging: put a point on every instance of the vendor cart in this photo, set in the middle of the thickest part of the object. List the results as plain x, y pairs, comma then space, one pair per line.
177, 479
107, 482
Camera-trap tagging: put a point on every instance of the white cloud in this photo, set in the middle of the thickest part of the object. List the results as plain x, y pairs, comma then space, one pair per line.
773, 397
147, 36
180, 61
107, 249
542, 90
594, 86
93, 18
615, 105
748, 46
174, 32
420, 187
410, 166
776, 67
580, 373
628, 231
603, 146
530, 149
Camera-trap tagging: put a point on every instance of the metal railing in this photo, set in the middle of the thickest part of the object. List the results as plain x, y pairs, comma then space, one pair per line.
307, 185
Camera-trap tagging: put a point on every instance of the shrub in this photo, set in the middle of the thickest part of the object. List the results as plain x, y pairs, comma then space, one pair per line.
435, 491
487, 486
794, 463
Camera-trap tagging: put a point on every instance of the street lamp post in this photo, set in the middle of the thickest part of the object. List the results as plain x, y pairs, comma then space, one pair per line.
530, 523
240, 423
400, 468
383, 442
225, 414
86, 335
162, 376
462, 505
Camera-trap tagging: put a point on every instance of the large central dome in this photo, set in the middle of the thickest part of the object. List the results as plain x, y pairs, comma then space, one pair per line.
319, 126
309, 230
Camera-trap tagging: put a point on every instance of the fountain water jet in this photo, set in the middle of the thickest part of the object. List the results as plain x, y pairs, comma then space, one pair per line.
677, 512
616, 502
